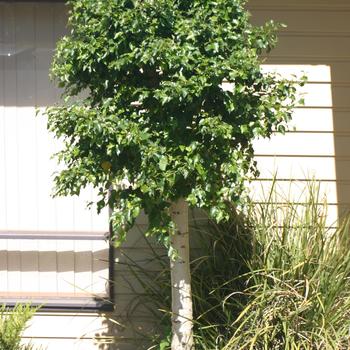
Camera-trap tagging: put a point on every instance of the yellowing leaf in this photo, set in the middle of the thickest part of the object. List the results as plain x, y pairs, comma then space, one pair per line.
106, 165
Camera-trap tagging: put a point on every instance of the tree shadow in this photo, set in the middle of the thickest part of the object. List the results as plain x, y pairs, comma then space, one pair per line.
140, 290
142, 305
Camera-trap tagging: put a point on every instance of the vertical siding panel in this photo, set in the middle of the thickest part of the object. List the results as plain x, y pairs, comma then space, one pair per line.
64, 207
44, 96
41, 265
27, 157
60, 21
3, 215
3, 265
27, 150
100, 222
83, 266
48, 266
58, 31
10, 118
100, 273
29, 265
65, 266
64, 214
83, 216
14, 266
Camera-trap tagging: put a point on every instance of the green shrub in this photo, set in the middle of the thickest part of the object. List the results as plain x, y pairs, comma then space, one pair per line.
276, 277
12, 323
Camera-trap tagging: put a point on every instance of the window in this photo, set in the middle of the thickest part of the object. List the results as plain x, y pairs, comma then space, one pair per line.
52, 251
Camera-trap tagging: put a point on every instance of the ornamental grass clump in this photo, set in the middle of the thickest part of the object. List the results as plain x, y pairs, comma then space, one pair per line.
275, 277
298, 286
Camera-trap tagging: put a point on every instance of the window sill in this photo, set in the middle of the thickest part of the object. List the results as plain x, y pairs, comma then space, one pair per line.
60, 303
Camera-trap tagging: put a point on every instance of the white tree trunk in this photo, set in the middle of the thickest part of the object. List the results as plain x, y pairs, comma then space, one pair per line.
182, 316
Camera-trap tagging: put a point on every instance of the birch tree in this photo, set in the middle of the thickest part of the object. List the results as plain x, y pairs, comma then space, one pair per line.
161, 102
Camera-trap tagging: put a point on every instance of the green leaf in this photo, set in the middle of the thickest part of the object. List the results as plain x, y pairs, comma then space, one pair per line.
163, 162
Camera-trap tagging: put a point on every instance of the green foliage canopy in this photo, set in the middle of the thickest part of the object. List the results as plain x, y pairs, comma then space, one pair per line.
167, 98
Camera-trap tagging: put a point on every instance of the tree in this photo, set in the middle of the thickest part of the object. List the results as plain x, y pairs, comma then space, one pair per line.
162, 101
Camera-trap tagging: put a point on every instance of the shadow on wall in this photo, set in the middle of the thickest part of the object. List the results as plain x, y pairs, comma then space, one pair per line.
28, 36
142, 288
54, 261
139, 266
340, 68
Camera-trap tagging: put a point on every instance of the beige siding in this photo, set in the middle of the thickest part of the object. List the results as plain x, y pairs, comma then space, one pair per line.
316, 41
42, 268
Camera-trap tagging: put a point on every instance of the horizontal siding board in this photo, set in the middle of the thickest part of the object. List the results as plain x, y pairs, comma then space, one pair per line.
305, 145
299, 20
62, 343
126, 284
298, 144
312, 46
148, 259
301, 5
136, 306
136, 236
297, 191
314, 73
318, 120
87, 326
320, 95
299, 168
340, 71
305, 59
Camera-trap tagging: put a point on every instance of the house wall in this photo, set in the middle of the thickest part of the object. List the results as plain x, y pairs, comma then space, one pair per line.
316, 42
28, 34
45, 269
